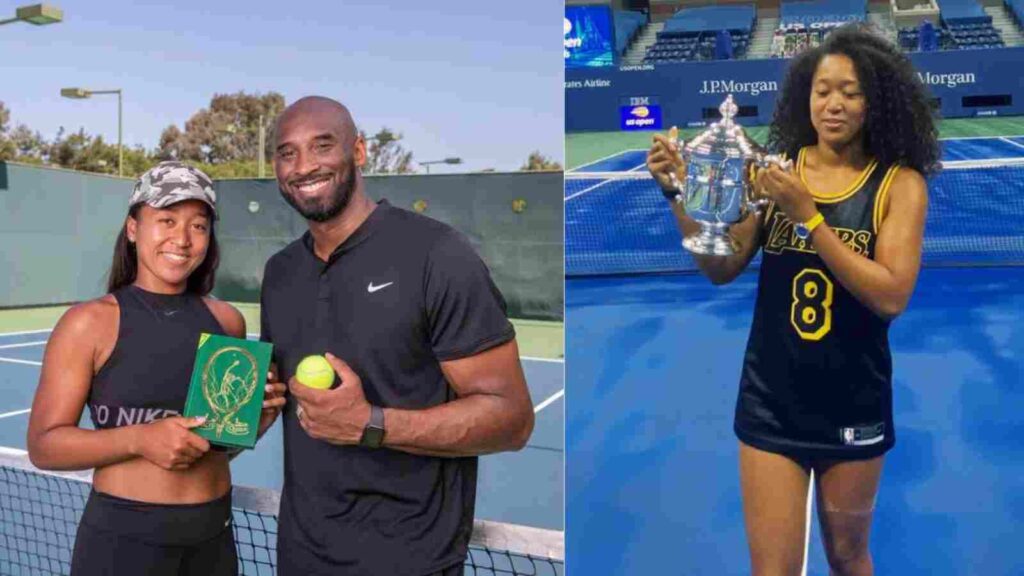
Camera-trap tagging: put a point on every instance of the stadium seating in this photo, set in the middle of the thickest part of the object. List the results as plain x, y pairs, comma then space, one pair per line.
803, 24
627, 26
820, 11
955, 37
710, 19
692, 34
965, 25
787, 42
958, 12
1016, 8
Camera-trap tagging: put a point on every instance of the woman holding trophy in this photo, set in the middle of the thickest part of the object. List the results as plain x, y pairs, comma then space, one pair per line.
841, 233
161, 498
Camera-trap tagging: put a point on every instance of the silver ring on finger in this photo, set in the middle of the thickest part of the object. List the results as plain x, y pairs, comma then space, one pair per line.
299, 412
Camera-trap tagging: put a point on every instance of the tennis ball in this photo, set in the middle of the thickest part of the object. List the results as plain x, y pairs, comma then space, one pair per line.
316, 372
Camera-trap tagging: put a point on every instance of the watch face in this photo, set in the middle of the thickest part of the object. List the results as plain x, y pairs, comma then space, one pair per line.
802, 232
373, 437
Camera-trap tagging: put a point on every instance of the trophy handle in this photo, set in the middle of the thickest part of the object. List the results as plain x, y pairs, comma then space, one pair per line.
684, 155
764, 161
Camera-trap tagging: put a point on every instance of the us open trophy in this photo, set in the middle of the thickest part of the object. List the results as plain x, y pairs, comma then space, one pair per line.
718, 189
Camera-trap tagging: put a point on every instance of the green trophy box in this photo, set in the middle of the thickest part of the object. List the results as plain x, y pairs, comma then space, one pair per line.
227, 387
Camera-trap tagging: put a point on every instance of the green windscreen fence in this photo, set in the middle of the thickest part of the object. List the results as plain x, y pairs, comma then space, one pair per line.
57, 231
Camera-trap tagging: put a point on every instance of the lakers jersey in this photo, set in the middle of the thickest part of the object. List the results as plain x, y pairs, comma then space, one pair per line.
817, 372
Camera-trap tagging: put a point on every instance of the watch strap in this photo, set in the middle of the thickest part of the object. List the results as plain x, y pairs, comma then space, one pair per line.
373, 432
814, 222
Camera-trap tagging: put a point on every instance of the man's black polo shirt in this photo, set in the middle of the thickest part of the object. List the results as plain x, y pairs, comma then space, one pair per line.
401, 294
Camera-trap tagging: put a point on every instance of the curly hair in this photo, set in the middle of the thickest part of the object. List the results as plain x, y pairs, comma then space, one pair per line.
899, 125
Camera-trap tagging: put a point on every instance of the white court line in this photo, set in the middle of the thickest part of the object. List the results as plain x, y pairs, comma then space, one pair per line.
22, 344
807, 534
548, 402
598, 185
608, 157
26, 332
950, 138
16, 361
536, 359
15, 413
1008, 141
582, 192
987, 163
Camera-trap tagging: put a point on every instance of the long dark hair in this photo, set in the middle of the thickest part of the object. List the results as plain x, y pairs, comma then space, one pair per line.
125, 266
899, 125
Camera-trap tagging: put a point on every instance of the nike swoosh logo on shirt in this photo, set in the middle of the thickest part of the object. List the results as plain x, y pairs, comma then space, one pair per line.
371, 288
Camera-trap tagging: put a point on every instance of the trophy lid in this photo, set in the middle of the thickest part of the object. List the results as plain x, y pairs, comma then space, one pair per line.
725, 138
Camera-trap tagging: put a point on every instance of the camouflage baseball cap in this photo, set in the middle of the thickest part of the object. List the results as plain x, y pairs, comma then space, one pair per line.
172, 182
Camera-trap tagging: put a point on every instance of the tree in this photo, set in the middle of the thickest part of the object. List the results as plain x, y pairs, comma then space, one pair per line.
227, 131
28, 146
80, 151
172, 144
7, 149
237, 169
385, 153
20, 144
538, 161
5, 117
136, 161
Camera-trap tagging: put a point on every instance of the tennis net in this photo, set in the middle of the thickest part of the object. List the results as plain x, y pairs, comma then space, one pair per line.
619, 222
40, 510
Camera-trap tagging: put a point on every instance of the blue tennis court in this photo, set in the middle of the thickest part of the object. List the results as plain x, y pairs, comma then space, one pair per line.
653, 481
655, 352
519, 488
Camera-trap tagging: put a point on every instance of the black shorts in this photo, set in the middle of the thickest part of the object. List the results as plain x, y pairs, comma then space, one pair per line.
118, 536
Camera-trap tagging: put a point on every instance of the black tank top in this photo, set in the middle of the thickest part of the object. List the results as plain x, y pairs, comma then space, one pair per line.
147, 375
817, 370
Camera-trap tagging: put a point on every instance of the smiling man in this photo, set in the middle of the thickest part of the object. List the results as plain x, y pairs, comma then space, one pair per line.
380, 471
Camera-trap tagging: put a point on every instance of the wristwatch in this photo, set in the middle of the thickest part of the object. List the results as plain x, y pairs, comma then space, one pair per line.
672, 195
373, 433
804, 229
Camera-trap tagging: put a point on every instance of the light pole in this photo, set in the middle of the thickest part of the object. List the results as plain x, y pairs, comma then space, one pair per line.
263, 146
37, 14
445, 161
81, 94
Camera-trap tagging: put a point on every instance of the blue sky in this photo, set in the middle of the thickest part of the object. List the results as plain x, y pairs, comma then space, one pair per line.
480, 80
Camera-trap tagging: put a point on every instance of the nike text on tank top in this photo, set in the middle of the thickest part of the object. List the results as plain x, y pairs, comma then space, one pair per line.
147, 375
817, 373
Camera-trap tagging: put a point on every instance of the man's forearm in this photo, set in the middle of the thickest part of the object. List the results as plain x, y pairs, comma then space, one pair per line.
470, 426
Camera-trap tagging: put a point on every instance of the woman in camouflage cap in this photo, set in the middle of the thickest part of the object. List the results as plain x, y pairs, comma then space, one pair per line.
161, 499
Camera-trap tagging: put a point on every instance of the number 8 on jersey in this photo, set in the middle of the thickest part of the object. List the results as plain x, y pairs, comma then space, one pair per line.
811, 312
